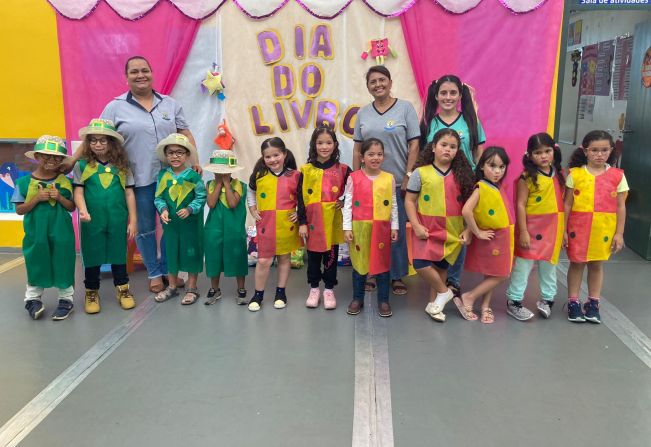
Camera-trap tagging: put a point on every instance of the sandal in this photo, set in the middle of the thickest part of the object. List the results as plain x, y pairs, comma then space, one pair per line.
487, 316
398, 287
180, 283
213, 296
191, 296
465, 311
166, 294
370, 285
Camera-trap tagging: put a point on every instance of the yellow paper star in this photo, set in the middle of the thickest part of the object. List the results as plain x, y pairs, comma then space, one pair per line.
213, 82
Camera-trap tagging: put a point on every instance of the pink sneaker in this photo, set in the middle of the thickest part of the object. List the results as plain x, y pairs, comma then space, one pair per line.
313, 298
329, 301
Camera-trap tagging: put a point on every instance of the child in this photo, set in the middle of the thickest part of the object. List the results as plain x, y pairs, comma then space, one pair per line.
224, 231
180, 198
103, 193
488, 215
436, 193
370, 224
321, 185
595, 214
272, 200
540, 225
45, 199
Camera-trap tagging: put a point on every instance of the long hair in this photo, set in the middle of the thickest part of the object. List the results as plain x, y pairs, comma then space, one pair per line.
260, 169
538, 141
486, 156
463, 175
115, 154
467, 110
578, 157
312, 154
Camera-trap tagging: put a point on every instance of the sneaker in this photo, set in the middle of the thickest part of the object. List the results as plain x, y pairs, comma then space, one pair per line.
329, 300
355, 307
91, 301
125, 298
63, 310
384, 309
280, 302
591, 311
313, 298
434, 311
34, 308
574, 313
212, 296
545, 308
255, 303
241, 297
517, 311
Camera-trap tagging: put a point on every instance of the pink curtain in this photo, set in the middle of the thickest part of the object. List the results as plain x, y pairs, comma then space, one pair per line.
510, 59
93, 52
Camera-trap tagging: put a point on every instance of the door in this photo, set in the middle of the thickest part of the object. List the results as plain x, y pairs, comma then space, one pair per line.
636, 157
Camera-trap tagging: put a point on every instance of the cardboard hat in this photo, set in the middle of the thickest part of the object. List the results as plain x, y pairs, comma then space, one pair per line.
100, 126
179, 140
49, 145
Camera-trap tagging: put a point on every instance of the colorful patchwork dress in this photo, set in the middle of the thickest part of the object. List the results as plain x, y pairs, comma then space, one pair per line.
183, 237
370, 251
49, 242
593, 220
276, 198
225, 235
104, 238
493, 212
439, 210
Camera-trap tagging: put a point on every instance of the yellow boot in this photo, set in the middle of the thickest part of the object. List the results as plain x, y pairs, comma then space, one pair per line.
91, 301
125, 298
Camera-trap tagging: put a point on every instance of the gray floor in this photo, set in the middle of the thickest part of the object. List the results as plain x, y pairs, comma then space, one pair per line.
220, 375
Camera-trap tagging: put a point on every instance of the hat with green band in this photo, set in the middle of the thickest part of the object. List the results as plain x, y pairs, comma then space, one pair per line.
48, 145
176, 139
101, 126
223, 161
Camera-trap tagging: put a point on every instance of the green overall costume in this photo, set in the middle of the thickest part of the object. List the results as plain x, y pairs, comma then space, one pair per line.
104, 238
225, 235
49, 242
183, 237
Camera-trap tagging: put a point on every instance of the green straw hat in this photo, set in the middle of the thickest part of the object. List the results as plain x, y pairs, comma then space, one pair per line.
49, 145
179, 140
101, 126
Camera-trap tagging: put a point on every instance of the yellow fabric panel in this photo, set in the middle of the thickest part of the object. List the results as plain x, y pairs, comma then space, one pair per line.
542, 200
265, 195
454, 225
360, 249
312, 179
490, 212
382, 195
431, 200
331, 214
287, 239
560, 229
31, 79
601, 236
584, 184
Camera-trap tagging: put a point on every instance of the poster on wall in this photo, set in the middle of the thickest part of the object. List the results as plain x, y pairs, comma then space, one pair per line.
622, 68
604, 70
574, 33
588, 70
586, 107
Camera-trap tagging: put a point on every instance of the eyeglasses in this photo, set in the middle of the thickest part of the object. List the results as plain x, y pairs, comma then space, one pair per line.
174, 154
101, 141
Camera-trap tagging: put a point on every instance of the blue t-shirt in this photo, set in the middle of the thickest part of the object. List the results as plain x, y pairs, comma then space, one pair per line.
461, 127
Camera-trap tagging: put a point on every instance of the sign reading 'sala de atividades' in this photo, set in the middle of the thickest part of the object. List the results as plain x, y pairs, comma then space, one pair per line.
613, 2
297, 82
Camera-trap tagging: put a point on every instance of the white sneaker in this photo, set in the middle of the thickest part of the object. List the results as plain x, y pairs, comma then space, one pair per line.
545, 308
434, 311
313, 298
517, 311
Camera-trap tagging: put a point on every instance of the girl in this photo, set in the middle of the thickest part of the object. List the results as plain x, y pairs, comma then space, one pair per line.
45, 200
180, 198
595, 214
225, 232
370, 224
488, 215
540, 225
103, 193
451, 104
435, 195
272, 200
321, 185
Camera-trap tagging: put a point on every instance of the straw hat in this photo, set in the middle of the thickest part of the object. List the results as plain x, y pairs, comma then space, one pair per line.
223, 161
49, 145
101, 126
179, 140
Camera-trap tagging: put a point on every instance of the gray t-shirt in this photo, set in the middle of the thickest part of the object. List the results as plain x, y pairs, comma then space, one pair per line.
395, 128
143, 130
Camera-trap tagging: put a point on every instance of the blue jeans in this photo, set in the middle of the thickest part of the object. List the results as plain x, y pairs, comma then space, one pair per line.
359, 282
520, 278
399, 259
146, 238
454, 272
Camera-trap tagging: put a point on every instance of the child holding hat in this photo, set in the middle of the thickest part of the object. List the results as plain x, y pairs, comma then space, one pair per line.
45, 200
225, 232
103, 193
180, 198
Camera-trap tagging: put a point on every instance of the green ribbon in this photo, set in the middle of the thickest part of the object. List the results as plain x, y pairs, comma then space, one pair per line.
49, 145
230, 161
102, 125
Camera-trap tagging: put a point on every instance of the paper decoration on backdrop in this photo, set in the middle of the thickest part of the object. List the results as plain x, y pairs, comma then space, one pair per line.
379, 49
224, 138
260, 9
213, 84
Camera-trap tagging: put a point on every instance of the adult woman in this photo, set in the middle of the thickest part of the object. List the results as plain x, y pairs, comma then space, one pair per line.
456, 107
144, 117
394, 122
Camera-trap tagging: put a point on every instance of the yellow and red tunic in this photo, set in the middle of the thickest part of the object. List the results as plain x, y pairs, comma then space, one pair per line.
593, 220
371, 248
545, 219
493, 212
276, 198
439, 210
320, 191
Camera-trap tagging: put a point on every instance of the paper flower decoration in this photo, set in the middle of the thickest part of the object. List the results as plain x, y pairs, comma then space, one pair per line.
213, 83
